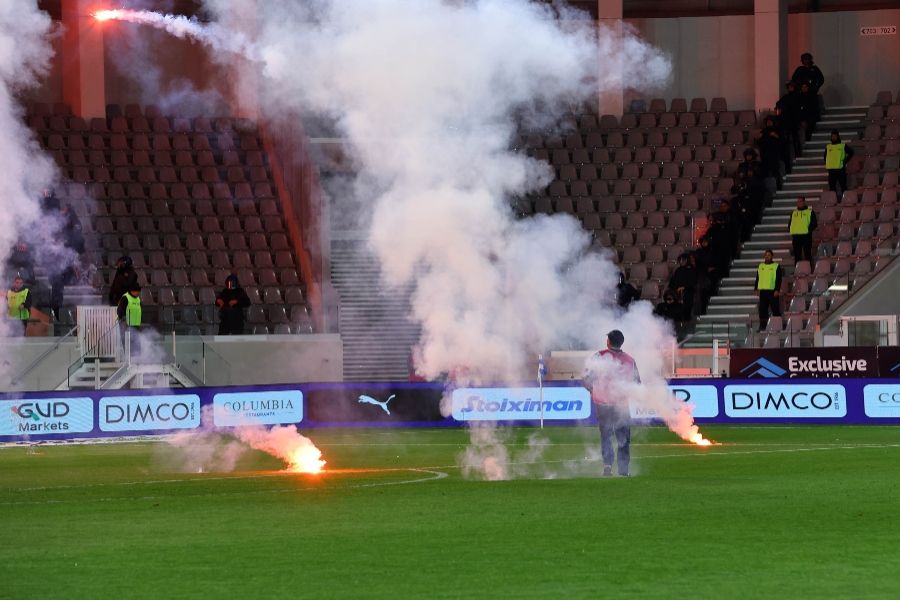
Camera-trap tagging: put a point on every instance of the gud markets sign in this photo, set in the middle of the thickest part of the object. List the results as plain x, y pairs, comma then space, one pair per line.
36, 416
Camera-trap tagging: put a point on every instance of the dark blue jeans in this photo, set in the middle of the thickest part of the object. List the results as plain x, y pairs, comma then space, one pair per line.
615, 421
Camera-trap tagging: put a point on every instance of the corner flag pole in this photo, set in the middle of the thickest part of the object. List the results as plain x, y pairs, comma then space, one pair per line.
540, 374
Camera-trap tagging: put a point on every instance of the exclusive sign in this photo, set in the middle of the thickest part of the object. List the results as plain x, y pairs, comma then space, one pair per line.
889, 361
786, 363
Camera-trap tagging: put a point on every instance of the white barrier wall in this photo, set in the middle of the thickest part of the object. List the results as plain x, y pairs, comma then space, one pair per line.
713, 56
231, 360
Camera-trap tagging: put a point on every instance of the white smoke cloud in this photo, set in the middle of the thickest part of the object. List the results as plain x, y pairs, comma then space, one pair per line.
25, 52
214, 449
425, 93
428, 95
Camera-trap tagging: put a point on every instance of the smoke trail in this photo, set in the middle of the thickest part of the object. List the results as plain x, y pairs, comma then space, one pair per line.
214, 449
25, 53
183, 27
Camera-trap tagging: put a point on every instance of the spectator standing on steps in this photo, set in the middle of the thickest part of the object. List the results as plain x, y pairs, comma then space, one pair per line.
808, 73
625, 292
122, 281
802, 224
684, 284
231, 302
790, 113
768, 288
18, 306
837, 155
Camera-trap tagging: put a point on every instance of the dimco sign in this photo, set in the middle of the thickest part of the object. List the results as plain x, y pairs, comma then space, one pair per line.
805, 401
520, 404
148, 413
257, 408
46, 416
750, 363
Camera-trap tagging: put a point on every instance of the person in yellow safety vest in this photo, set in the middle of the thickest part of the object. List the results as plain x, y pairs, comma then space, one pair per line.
837, 155
803, 223
129, 313
18, 306
768, 287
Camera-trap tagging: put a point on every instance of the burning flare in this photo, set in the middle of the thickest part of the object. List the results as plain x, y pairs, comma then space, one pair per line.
286, 443
306, 460
106, 15
682, 424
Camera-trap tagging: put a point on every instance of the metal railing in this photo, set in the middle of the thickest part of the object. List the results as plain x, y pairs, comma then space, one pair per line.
17, 379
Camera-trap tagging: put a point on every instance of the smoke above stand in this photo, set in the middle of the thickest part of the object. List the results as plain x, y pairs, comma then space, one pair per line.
429, 96
25, 54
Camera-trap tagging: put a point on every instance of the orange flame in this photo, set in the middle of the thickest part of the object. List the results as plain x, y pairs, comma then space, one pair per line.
106, 15
698, 439
306, 460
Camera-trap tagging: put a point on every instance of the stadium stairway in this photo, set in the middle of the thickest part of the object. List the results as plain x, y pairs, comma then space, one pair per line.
731, 315
376, 332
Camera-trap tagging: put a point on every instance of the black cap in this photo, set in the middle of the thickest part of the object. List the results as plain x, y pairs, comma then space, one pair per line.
134, 287
616, 338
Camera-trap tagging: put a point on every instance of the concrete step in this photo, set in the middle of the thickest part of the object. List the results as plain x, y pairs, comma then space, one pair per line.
738, 299
752, 263
755, 248
735, 319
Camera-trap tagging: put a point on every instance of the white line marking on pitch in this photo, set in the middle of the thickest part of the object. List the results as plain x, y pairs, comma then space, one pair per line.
430, 470
433, 475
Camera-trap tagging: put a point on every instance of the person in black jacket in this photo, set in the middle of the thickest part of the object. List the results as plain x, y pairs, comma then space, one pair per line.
21, 262
808, 73
231, 302
63, 272
790, 112
809, 109
683, 284
124, 278
672, 311
625, 292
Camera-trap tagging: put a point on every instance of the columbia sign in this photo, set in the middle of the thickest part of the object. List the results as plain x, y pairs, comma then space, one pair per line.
274, 407
521, 404
786, 400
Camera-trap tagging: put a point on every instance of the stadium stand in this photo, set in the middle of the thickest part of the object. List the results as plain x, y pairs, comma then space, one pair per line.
645, 184
190, 200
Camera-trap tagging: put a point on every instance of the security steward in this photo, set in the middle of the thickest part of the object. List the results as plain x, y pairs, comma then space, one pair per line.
837, 154
129, 314
768, 286
18, 306
803, 223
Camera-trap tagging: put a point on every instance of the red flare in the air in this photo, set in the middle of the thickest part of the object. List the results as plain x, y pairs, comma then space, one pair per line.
106, 15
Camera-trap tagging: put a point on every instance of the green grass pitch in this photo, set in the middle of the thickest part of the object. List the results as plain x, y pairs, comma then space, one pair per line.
773, 512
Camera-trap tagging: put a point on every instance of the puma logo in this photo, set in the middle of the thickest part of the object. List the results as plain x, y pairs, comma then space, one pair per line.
369, 400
